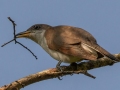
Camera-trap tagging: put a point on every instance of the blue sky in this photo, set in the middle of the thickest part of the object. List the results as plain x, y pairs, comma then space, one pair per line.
99, 17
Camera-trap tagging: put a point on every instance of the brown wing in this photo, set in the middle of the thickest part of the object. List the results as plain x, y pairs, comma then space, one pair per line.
76, 42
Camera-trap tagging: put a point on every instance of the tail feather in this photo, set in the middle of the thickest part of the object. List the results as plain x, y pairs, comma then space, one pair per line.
102, 51
106, 53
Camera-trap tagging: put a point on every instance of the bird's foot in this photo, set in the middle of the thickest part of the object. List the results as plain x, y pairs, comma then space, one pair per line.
58, 66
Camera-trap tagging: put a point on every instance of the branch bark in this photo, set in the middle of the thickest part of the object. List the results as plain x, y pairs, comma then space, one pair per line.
53, 73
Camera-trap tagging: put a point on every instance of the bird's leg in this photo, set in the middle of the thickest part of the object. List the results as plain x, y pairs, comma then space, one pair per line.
58, 66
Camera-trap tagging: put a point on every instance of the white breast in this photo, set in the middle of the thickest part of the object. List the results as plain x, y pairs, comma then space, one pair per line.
56, 55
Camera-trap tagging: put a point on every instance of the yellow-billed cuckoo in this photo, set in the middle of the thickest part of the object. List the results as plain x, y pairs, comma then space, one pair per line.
66, 43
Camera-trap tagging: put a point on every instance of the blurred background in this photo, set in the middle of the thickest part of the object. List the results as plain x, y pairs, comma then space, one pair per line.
99, 17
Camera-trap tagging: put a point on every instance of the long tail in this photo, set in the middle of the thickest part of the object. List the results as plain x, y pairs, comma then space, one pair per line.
103, 52
106, 53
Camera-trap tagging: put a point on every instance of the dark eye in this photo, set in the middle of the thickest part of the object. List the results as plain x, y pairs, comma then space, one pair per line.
36, 27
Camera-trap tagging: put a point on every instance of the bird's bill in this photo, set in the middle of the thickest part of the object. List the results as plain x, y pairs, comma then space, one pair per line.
23, 34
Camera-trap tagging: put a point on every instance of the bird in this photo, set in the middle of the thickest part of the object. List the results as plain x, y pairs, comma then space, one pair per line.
66, 43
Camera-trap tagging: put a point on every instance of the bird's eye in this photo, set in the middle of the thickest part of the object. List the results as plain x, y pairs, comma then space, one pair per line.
36, 27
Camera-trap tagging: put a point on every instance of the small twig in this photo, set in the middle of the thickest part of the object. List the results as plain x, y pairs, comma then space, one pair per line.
13, 22
27, 49
89, 75
7, 42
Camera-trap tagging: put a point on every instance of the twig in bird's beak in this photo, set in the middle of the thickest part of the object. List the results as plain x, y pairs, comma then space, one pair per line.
13, 22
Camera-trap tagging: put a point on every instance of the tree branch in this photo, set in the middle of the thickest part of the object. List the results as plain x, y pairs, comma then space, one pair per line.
53, 73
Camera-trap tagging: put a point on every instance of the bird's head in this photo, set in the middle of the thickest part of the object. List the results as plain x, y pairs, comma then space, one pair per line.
35, 32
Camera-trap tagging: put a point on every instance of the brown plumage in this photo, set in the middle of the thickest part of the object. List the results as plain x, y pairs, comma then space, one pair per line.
71, 40
66, 43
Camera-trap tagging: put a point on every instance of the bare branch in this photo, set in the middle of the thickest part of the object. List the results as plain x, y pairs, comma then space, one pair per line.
53, 73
